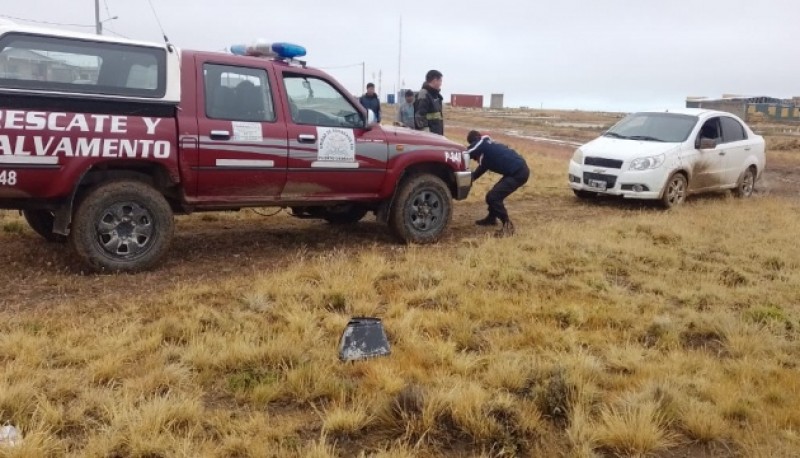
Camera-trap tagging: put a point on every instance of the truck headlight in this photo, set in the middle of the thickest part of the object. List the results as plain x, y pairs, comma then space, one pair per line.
465, 157
578, 157
646, 163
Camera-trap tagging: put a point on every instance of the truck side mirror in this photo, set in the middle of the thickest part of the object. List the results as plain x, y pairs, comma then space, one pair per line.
371, 118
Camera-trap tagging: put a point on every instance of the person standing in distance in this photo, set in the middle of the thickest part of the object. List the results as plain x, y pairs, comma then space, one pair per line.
500, 159
428, 105
405, 111
370, 101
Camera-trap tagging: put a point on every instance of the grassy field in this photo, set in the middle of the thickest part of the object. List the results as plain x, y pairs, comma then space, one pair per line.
612, 329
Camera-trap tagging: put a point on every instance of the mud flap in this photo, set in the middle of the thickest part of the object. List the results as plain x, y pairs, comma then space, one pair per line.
363, 338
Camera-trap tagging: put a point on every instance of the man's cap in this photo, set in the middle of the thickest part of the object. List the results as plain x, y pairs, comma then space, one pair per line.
409, 93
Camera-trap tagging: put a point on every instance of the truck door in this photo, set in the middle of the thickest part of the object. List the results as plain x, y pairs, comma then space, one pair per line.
331, 152
242, 145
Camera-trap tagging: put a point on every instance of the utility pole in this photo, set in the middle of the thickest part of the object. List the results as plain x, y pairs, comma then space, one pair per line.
400, 59
98, 26
363, 75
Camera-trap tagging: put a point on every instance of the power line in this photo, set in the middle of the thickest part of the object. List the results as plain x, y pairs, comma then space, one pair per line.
34, 21
341, 66
117, 33
108, 11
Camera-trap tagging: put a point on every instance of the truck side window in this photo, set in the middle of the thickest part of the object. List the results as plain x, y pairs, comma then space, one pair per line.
314, 101
237, 93
83, 67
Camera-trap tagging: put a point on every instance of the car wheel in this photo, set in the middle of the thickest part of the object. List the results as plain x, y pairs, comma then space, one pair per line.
747, 184
41, 221
123, 226
584, 195
675, 191
349, 214
422, 209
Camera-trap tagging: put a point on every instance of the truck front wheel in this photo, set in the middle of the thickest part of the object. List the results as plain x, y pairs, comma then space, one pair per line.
122, 226
422, 210
41, 221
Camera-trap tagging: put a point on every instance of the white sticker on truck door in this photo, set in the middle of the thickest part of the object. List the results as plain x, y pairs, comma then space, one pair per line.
336, 148
247, 131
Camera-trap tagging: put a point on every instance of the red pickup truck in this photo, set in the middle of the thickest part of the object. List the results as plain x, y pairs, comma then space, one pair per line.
102, 140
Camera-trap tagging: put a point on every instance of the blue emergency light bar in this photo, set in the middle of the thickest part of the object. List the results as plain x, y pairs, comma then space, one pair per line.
261, 49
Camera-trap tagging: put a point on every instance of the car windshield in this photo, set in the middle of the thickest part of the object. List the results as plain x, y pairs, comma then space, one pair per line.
654, 127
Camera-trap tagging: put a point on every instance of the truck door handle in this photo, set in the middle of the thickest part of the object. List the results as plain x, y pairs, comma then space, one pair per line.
306, 138
747, 148
722, 153
220, 135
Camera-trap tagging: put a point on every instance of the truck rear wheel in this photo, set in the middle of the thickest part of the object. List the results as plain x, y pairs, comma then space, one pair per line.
422, 209
41, 221
122, 226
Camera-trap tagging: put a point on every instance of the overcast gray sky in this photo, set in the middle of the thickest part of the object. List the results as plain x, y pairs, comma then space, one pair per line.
604, 54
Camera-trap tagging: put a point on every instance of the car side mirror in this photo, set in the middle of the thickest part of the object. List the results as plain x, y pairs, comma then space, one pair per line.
707, 143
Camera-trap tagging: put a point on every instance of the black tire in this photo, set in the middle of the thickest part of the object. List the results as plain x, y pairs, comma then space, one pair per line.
350, 214
134, 209
584, 195
422, 209
746, 185
41, 221
675, 190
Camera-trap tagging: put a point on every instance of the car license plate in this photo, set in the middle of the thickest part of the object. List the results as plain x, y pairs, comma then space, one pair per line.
598, 184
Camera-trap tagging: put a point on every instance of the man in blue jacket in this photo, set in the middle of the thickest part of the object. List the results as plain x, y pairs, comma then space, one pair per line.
500, 159
370, 101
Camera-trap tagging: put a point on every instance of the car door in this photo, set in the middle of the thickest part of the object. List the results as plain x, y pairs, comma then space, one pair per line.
333, 155
708, 165
242, 143
736, 146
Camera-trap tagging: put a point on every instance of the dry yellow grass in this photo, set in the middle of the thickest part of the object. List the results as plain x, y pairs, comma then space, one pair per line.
612, 329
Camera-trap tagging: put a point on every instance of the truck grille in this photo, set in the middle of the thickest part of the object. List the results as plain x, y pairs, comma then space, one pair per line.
610, 180
601, 162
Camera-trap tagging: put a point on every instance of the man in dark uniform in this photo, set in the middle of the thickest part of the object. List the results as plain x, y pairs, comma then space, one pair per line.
370, 101
428, 104
500, 159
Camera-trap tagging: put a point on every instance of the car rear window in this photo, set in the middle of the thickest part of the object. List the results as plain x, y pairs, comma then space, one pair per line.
79, 66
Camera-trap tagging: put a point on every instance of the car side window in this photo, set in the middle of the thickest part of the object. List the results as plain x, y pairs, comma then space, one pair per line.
711, 130
314, 101
237, 93
732, 130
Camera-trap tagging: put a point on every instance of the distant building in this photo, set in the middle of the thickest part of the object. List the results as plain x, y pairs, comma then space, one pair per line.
751, 108
466, 100
496, 102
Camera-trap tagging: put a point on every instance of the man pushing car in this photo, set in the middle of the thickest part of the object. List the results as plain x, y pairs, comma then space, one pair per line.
500, 159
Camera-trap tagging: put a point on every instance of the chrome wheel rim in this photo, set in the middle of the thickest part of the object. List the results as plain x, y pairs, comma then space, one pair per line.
426, 210
125, 230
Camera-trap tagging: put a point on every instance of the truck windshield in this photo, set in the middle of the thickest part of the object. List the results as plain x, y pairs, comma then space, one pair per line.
654, 127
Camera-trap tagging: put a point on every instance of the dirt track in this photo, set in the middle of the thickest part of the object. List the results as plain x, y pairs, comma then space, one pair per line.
210, 248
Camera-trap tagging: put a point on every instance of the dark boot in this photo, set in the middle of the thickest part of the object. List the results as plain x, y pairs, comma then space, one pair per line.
490, 220
506, 231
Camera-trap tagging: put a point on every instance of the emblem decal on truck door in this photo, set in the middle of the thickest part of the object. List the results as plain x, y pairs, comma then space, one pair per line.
336, 148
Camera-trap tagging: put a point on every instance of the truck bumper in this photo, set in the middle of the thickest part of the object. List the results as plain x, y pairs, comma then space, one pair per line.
463, 184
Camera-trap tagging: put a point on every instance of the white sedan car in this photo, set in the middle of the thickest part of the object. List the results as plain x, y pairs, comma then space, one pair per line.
669, 155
